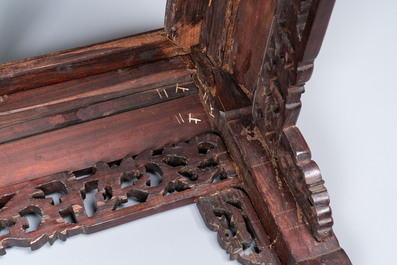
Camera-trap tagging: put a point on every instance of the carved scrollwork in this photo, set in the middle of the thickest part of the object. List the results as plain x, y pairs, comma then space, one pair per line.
240, 233
108, 194
277, 97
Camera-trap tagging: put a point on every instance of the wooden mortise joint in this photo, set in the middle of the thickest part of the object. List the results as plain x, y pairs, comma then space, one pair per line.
275, 96
229, 71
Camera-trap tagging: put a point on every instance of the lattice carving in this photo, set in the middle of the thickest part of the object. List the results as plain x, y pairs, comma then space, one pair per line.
155, 178
240, 233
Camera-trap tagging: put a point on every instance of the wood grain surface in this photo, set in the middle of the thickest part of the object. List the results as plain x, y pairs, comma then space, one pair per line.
106, 139
80, 62
236, 68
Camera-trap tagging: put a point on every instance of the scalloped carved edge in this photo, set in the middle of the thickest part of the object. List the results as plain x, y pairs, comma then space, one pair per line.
305, 181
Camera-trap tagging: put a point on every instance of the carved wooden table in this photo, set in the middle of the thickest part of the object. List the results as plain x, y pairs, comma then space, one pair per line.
201, 111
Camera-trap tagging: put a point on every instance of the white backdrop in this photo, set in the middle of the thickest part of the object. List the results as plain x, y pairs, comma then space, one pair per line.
348, 118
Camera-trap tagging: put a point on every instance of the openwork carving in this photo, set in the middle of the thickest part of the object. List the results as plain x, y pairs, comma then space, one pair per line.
304, 179
240, 233
108, 194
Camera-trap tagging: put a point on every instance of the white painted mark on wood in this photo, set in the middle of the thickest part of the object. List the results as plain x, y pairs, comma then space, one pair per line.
159, 93
212, 111
165, 92
180, 119
180, 88
195, 120
177, 119
206, 97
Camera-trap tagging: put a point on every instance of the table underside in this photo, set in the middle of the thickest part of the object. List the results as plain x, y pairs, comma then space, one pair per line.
137, 135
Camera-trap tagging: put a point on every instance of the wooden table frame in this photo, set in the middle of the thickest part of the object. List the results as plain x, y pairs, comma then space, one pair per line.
201, 111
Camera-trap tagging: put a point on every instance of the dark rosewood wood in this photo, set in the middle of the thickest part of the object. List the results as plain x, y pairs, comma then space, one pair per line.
230, 67
220, 85
56, 106
276, 206
60, 97
228, 42
288, 63
135, 187
304, 179
183, 19
240, 232
280, 152
106, 139
81, 62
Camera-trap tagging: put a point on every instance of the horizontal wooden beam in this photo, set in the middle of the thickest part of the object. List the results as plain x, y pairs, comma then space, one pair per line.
90, 60
105, 139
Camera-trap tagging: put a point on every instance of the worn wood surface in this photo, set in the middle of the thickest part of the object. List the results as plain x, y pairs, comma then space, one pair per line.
183, 19
106, 139
240, 233
93, 112
288, 63
220, 84
64, 104
305, 181
274, 202
86, 61
234, 35
124, 190
86, 91
248, 61
289, 45
291, 203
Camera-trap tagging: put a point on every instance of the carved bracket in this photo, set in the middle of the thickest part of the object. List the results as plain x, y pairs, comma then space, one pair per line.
240, 233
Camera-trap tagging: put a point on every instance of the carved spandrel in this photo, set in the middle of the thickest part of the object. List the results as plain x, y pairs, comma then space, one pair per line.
89, 200
240, 232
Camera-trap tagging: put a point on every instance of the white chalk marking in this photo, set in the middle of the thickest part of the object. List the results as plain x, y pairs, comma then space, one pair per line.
177, 119
193, 119
211, 111
181, 118
165, 92
158, 92
180, 88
